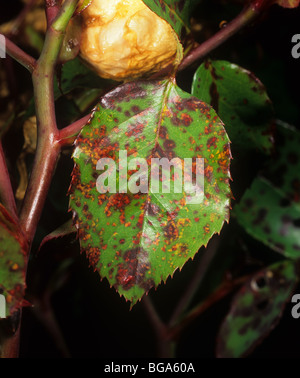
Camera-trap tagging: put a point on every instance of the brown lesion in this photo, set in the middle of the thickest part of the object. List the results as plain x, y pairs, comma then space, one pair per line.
212, 142
133, 270
135, 129
152, 209
117, 202
163, 132
169, 144
186, 119
171, 231
93, 255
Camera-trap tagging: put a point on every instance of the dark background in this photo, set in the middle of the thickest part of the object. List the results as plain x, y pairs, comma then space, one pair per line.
94, 321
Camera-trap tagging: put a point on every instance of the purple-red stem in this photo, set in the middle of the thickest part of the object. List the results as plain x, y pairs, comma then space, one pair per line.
250, 13
17, 54
164, 344
48, 147
67, 135
21, 17
52, 9
208, 255
221, 292
10, 348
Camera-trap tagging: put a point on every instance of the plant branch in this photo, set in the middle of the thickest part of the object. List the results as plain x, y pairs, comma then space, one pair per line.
156, 322
17, 23
44, 312
249, 14
65, 13
68, 134
7, 46
12, 83
221, 292
6, 191
203, 266
11, 344
164, 345
48, 148
52, 9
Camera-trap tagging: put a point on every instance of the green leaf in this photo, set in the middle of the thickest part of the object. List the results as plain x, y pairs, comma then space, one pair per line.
283, 169
13, 248
74, 75
176, 12
270, 209
240, 100
256, 309
269, 217
138, 240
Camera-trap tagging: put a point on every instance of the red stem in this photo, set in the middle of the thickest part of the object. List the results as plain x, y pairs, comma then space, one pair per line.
249, 14
67, 135
52, 9
40, 181
221, 292
17, 23
208, 255
11, 346
164, 344
48, 147
17, 54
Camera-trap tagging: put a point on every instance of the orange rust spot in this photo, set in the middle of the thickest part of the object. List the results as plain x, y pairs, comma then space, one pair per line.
206, 228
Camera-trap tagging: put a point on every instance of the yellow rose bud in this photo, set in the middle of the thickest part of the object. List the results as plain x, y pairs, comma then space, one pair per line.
124, 39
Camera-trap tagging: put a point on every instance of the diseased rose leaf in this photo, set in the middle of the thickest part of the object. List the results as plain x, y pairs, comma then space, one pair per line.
176, 12
13, 248
256, 309
284, 167
240, 100
268, 216
270, 209
138, 240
